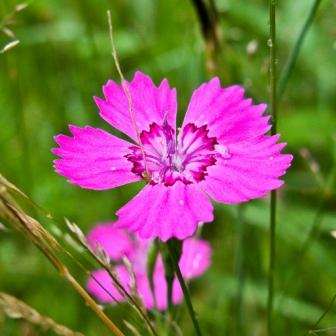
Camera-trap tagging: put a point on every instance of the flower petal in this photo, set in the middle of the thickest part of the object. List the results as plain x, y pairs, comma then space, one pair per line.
166, 211
93, 159
228, 116
101, 285
150, 104
160, 289
116, 243
250, 170
195, 258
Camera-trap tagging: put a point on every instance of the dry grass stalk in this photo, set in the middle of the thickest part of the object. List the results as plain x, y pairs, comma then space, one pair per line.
208, 19
17, 309
132, 329
6, 23
49, 246
100, 256
146, 174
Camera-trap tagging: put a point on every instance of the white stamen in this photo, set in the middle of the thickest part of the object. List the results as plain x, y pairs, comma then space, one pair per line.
156, 177
181, 202
188, 175
223, 150
113, 168
178, 161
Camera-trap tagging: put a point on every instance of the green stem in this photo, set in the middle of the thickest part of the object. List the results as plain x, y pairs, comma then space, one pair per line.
150, 267
240, 271
308, 242
272, 262
284, 77
169, 274
273, 206
322, 317
183, 285
286, 72
170, 294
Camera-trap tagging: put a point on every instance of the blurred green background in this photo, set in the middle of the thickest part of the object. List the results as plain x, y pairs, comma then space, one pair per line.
63, 59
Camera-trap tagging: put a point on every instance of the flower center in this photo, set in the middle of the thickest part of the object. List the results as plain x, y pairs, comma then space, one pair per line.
169, 161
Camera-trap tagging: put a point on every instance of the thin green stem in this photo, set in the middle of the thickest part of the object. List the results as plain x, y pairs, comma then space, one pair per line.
185, 290
169, 281
288, 68
284, 77
169, 275
273, 205
271, 262
331, 303
319, 331
308, 242
240, 255
150, 267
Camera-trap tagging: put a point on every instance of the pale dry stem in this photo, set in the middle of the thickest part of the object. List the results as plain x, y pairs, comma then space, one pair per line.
8, 21
49, 246
101, 257
129, 97
17, 309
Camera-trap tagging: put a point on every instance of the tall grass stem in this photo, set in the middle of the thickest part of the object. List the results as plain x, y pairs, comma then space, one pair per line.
240, 256
288, 68
128, 95
273, 205
184, 289
315, 330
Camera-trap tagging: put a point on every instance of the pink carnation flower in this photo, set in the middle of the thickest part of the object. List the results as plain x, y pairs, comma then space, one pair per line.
195, 259
221, 151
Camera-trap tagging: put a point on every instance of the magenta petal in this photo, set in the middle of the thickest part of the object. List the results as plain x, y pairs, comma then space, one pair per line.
115, 242
166, 212
228, 116
101, 286
150, 103
251, 170
160, 288
93, 159
195, 258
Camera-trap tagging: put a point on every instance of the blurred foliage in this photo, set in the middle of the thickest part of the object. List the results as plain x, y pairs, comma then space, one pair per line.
47, 82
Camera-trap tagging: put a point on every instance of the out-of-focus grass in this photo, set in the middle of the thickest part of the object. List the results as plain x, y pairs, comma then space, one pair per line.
47, 82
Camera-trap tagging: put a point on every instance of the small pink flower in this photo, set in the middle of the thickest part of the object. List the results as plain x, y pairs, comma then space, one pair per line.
121, 245
195, 260
221, 151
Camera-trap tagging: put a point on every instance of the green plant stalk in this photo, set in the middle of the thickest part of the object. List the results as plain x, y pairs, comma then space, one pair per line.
170, 294
313, 232
288, 68
169, 276
315, 330
150, 267
170, 269
280, 88
240, 256
273, 204
184, 287
271, 262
